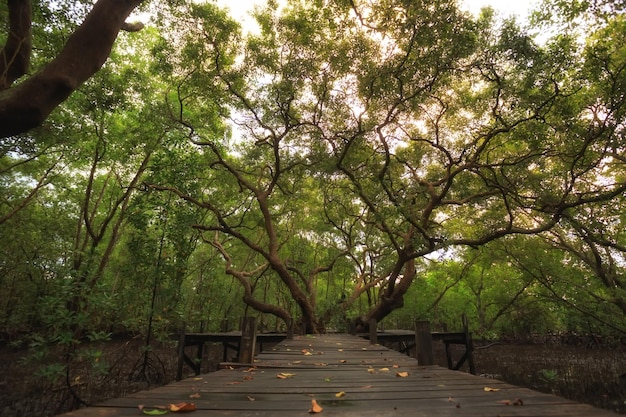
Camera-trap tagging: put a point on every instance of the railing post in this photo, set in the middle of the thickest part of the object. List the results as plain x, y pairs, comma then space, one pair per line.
247, 345
224, 326
373, 325
289, 324
181, 353
352, 327
469, 345
424, 343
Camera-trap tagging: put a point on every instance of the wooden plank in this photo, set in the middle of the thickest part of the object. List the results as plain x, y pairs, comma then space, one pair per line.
320, 367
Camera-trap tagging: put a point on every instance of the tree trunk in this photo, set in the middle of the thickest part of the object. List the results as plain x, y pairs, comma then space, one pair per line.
393, 297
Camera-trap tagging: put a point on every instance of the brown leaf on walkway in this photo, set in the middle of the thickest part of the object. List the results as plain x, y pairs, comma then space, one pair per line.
518, 401
195, 395
233, 383
402, 374
489, 389
250, 398
315, 407
175, 408
248, 377
340, 394
505, 402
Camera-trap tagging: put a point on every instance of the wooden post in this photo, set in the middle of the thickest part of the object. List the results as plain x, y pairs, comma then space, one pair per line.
224, 325
247, 345
469, 345
352, 327
289, 324
373, 332
181, 353
424, 343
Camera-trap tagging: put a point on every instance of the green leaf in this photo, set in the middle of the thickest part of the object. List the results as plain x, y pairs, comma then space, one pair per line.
155, 412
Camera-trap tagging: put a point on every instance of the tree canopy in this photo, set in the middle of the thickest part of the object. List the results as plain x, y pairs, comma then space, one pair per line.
348, 161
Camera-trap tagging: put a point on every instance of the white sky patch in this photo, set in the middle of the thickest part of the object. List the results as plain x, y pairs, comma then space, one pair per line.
240, 9
505, 8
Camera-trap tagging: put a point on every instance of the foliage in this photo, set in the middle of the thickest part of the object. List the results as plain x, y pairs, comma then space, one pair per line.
390, 160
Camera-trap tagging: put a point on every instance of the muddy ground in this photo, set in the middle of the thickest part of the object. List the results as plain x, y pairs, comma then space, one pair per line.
593, 375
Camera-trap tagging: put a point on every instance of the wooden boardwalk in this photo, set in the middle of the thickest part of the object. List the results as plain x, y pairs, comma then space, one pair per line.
347, 377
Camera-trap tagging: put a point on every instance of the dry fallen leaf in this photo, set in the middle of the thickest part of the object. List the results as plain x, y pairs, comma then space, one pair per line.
175, 408
340, 394
395, 366
371, 370
248, 377
250, 398
518, 401
195, 395
284, 375
489, 389
343, 361
315, 407
233, 383
384, 369
402, 374
505, 402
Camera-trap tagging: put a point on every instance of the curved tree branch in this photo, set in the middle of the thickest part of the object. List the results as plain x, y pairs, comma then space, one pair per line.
28, 104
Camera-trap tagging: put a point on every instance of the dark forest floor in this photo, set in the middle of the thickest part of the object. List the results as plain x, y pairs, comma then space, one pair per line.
596, 376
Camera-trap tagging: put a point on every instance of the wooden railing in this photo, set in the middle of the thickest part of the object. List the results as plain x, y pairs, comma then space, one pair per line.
244, 344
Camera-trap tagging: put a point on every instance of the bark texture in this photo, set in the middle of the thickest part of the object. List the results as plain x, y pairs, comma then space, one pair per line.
27, 104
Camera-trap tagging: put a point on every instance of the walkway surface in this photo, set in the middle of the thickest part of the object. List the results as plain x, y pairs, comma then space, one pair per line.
345, 376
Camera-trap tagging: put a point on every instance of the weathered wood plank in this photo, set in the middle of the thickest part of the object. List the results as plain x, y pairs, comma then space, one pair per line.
321, 367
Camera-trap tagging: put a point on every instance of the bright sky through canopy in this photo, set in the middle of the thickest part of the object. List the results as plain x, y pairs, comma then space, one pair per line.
240, 9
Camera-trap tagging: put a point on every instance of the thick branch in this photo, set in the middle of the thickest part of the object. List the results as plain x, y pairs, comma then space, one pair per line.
28, 104
15, 56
